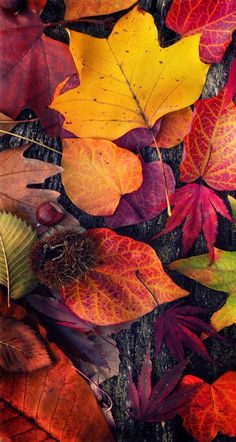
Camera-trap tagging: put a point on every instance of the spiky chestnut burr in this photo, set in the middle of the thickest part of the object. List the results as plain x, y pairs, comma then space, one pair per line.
62, 256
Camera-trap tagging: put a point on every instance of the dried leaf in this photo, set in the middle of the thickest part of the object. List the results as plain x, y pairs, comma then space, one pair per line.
209, 149
53, 403
16, 239
86, 8
32, 57
6, 123
196, 206
15, 168
58, 312
97, 173
177, 328
211, 409
162, 401
232, 202
21, 350
216, 22
127, 282
146, 202
129, 83
219, 275
174, 127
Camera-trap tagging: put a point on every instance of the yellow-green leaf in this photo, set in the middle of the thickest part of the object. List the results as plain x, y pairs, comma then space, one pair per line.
16, 239
219, 275
127, 80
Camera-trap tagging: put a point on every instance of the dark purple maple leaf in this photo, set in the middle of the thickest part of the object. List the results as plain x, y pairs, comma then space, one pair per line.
196, 206
163, 400
177, 328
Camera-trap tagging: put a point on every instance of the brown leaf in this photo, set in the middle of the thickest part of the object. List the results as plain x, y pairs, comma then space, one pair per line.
21, 350
15, 169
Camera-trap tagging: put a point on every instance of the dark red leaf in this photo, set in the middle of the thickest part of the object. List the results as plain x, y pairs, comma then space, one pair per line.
196, 206
27, 57
176, 328
161, 402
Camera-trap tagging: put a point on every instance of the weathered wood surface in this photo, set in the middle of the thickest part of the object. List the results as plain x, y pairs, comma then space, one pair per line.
132, 343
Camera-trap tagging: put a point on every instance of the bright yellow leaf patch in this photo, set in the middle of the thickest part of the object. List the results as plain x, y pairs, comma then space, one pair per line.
127, 80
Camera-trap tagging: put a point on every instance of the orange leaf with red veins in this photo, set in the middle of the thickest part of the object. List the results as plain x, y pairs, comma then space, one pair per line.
212, 407
53, 404
210, 147
174, 127
215, 19
86, 8
97, 173
127, 282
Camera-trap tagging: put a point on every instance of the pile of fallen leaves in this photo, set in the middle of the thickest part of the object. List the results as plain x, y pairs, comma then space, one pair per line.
64, 289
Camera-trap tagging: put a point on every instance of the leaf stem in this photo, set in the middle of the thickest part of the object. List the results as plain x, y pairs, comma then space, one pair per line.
95, 383
164, 175
18, 121
30, 141
7, 271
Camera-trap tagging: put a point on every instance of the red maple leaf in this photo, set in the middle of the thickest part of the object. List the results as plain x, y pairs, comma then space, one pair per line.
209, 148
215, 19
196, 207
27, 57
163, 400
177, 328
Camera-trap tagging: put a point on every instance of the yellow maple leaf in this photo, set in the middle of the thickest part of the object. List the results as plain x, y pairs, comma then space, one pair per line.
127, 80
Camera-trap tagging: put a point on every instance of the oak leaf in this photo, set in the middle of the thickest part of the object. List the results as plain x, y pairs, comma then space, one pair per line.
158, 403
209, 148
21, 349
53, 403
196, 206
15, 168
127, 282
146, 202
177, 328
212, 407
16, 239
129, 83
97, 173
219, 275
35, 57
216, 22
86, 8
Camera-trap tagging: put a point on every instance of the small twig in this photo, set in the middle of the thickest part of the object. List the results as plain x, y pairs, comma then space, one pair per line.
30, 141
18, 121
164, 175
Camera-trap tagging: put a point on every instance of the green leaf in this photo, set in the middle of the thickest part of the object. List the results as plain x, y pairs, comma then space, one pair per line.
16, 239
220, 275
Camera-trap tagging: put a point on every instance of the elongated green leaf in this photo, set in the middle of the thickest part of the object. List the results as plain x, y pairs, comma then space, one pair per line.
16, 239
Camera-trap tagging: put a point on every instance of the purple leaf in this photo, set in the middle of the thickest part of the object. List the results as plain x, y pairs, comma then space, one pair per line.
161, 402
177, 328
146, 202
59, 312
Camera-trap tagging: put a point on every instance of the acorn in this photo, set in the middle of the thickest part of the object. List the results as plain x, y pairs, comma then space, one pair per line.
49, 214
12, 5
62, 256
